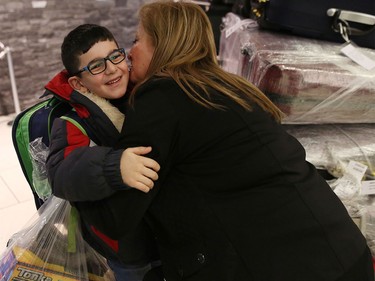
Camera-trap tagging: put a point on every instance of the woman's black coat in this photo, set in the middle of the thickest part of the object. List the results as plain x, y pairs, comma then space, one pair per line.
235, 200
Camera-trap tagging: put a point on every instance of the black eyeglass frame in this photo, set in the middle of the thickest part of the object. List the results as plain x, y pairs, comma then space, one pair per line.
107, 58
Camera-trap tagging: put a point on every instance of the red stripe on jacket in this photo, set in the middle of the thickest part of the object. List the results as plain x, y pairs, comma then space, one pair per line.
75, 138
110, 242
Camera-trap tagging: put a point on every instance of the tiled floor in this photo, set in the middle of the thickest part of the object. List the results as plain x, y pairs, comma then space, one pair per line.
16, 201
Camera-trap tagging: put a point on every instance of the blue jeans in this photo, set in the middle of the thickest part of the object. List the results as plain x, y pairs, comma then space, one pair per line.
125, 272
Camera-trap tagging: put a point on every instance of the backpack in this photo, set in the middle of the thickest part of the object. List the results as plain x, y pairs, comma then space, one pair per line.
31, 137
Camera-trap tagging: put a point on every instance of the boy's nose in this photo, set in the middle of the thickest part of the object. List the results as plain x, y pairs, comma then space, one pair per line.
110, 67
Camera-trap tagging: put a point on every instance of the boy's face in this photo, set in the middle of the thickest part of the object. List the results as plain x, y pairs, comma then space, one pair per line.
111, 83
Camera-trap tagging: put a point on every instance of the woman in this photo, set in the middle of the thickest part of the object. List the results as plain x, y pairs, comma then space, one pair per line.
236, 199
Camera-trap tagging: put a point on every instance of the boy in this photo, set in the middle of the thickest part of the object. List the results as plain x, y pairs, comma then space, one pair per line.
95, 81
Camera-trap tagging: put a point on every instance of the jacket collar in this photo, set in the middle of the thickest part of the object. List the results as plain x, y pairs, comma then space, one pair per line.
60, 88
103, 117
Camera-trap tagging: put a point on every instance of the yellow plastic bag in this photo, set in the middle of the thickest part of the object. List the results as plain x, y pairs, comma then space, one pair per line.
51, 248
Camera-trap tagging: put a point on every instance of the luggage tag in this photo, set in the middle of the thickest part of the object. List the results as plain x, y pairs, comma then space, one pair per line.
368, 187
350, 184
350, 49
354, 53
357, 172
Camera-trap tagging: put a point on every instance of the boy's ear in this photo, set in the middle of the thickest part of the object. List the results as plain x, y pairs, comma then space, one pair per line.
76, 84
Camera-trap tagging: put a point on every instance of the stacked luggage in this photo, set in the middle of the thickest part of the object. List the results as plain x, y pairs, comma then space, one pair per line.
328, 100
309, 79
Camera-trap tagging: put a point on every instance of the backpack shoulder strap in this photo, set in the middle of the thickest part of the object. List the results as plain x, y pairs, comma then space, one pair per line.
75, 123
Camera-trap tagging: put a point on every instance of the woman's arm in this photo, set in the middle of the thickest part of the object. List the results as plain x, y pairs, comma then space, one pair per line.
153, 121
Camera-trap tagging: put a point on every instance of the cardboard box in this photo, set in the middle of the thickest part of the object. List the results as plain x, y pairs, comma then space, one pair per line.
21, 264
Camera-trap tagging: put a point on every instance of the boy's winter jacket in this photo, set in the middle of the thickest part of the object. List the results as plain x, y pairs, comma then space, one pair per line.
103, 121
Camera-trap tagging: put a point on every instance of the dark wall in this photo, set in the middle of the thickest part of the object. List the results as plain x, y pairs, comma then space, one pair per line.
34, 36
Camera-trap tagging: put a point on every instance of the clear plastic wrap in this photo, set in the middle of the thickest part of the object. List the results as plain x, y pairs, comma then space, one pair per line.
39, 153
309, 80
332, 146
51, 248
233, 37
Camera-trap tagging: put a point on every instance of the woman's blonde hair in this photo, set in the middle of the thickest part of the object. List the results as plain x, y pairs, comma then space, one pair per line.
185, 51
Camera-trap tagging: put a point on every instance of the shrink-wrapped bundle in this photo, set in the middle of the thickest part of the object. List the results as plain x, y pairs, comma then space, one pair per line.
309, 80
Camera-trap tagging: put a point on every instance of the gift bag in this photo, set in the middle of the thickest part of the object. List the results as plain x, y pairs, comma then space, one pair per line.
51, 248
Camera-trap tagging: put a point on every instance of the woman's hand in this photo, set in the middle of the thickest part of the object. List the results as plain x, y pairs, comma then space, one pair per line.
138, 171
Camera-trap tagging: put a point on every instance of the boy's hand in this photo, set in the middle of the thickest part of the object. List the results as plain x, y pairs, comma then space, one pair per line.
138, 171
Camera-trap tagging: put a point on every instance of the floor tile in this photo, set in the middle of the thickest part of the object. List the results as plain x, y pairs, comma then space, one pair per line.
7, 198
16, 201
14, 219
16, 182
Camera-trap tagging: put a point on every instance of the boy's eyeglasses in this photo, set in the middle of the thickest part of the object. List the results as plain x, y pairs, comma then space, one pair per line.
100, 65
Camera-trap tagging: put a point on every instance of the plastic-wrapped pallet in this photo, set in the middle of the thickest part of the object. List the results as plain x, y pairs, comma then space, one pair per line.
309, 80
331, 146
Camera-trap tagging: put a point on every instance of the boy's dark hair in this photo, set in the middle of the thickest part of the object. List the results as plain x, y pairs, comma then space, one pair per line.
79, 41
